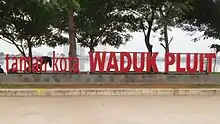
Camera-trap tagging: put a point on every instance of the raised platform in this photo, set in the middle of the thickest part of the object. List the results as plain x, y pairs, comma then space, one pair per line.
109, 79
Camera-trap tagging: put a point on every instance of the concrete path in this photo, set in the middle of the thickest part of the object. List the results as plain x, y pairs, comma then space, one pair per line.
110, 110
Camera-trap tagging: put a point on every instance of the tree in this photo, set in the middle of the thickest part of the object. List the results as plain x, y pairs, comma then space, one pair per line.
145, 15
154, 15
169, 11
105, 26
29, 23
204, 17
71, 7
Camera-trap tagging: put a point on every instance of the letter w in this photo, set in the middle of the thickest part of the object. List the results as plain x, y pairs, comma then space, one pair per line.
97, 60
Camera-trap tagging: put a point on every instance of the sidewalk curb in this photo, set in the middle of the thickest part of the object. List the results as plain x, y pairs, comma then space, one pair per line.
110, 92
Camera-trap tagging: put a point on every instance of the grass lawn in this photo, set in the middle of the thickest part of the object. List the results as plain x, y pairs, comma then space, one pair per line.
50, 86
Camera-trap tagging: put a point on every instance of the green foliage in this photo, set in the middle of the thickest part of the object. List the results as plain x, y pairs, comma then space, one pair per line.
169, 12
66, 4
71, 7
153, 15
204, 17
99, 23
29, 23
32, 23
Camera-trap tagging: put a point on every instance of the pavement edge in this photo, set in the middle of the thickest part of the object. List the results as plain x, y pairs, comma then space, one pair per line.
110, 92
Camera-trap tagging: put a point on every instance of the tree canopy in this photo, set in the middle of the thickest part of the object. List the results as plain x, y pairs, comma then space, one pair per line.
98, 23
32, 23
71, 8
149, 16
204, 17
29, 23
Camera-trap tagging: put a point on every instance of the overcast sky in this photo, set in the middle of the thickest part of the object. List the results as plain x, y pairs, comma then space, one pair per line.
181, 43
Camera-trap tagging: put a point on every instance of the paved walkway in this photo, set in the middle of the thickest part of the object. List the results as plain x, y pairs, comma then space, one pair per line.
110, 110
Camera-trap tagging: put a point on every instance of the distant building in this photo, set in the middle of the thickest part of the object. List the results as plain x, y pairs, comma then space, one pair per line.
66, 50
101, 48
50, 54
2, 54
80, 51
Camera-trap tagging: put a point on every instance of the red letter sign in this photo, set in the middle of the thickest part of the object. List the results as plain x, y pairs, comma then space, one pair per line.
135, 62
151, 62
169, 60
209, 57
112, 63
188, 63
97, 60
178, 62
122, 62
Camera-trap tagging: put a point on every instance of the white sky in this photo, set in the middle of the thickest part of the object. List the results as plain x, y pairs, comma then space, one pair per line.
181, 43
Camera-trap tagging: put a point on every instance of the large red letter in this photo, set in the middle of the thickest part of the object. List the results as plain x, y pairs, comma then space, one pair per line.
7, 63
40, 59
73, 64
151, 62
112, 63
169, 60
35, 66
97, 60
29, 64
15, 64
55, 60
178, 62
195, 63
209, 57
63, 61
23, 61
201, 62
122, 62
135, 62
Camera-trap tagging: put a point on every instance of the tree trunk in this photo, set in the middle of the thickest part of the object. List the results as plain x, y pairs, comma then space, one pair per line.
147, 37
166, 39
91, 45
30, 56
147, 41
72, 34
91, 49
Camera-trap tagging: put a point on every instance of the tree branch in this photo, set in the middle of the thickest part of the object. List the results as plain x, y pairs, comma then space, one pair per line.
171, 39
143, 28
169, 9
163, 46
77, 38
167, 12
22, 47
102, 33
16, 45
161, 12
10, 42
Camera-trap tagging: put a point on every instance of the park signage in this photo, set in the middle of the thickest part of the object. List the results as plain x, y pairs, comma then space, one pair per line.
58, 64
122, 62
119, 62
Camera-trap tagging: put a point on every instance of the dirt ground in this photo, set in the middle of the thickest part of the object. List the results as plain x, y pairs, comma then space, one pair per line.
109, 86
110, 110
